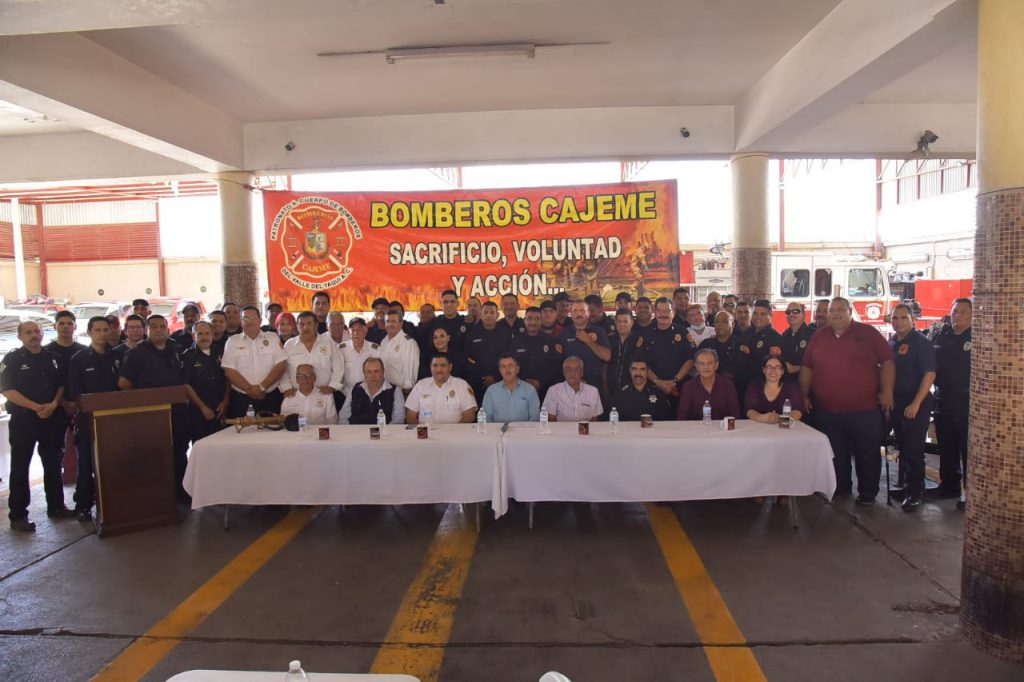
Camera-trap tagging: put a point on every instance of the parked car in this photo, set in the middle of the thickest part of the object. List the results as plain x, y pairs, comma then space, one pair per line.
171, 309
9, 321
48, 309
83, 311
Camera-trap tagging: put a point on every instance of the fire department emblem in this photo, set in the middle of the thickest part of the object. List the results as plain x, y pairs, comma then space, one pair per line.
315, 235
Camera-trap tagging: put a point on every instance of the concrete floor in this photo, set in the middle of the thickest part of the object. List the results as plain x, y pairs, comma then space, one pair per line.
854, 594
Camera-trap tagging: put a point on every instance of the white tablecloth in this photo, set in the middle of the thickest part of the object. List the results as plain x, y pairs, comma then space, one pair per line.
455, 464
671, 461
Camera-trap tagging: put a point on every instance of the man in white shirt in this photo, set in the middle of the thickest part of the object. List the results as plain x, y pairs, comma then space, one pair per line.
372, 395
573, 400
449, 398
355, 351
308, 348
253, 362
336, 329
400, 352
306, 401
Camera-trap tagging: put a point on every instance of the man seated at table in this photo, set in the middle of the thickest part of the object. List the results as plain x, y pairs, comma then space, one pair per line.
640, 396
450, 399
511, 400
573, 400
372, 395
317, 407
710, 387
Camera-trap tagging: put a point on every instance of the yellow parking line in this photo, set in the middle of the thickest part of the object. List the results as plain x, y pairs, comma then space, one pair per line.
420, 630
721, 637
146, 651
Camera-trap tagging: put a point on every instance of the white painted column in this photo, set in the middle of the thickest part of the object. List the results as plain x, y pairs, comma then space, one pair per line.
751, 255
19, 250
239, 273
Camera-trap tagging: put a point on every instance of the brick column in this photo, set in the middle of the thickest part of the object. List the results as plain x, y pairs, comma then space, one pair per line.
751, 255
239, 273
992, 582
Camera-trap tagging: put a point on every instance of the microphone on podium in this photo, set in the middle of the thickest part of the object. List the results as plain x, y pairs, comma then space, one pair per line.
290, 422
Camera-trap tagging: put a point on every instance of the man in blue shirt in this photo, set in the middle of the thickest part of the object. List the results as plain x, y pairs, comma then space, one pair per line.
511, 400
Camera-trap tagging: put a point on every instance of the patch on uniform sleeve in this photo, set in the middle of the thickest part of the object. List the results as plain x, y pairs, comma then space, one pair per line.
775, 350
678, 338
803, 343
652, 398
558, 348
462, 329
546, 348
640, 342
745, 349
967, 346
760, 343
903, 349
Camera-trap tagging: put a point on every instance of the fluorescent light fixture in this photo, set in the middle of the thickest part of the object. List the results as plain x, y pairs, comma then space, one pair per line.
960, 254
911, 258
395, 55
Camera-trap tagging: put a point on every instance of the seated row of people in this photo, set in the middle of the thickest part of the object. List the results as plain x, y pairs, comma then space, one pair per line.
444, 398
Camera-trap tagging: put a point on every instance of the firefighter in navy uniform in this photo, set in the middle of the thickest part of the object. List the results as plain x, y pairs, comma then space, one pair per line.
795, 340
189, 316
724, 343
952, 346
626, 344
538, 354
485, 342
92, 370
156, 363
760, 342
668, 353
31, 379
208, 389
454, 323
640, 396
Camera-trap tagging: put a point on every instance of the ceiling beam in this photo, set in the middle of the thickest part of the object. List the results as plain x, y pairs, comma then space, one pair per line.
70, 78
859, 47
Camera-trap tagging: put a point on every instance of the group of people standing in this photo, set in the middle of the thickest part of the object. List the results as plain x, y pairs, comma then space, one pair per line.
666, 358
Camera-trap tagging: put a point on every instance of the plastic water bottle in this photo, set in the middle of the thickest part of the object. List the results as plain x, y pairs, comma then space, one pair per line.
303, 426
295, 672
543, 424
613, 419
787, 409
481, 421
382, 422
250, 412
706, 420
427, 413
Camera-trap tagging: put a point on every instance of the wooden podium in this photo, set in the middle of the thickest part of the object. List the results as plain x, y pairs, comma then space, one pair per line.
133, 457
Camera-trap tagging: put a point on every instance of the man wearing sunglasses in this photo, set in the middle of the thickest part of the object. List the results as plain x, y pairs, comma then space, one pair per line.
795, 340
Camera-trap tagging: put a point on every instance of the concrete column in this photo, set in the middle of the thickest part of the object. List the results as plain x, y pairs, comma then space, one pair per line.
19, 249
992, 589
751, 255
239, 273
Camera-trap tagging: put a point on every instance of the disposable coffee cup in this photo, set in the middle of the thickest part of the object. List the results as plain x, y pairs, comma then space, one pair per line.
785, 422
729, 423
422, 431
584, 428
374, 433
646, 421
324, 433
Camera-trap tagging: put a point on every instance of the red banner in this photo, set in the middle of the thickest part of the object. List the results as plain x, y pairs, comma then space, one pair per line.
596, 239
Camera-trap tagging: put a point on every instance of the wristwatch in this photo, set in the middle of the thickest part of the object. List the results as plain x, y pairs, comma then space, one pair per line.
260, 386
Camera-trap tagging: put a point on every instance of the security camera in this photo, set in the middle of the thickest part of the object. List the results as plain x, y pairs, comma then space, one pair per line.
685, 132
289, 146
928, 137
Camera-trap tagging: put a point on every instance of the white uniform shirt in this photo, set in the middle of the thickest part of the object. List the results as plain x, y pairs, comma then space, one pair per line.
354, 361
253, 358
317, 408
397, 411
448, 401
401, 356
324, 357
568, 405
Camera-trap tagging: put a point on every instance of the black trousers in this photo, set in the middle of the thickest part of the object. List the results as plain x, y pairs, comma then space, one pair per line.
910, 437
198, 426
26, 431
239, 403
951, 421
856, 436
85, 484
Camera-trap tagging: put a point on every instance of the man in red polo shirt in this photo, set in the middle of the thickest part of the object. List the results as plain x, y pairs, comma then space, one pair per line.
850, 370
